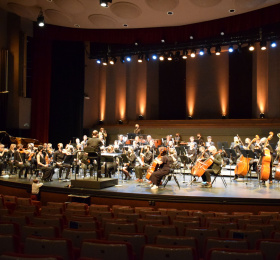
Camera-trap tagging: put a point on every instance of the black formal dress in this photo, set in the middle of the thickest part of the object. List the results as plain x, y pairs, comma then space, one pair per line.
163, 170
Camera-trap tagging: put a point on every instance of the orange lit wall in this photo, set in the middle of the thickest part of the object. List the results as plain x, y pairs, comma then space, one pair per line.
120, 94
141, 88
102, 93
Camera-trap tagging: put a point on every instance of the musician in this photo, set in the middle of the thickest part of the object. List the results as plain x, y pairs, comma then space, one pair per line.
103, 147
146, 159
202, 156
166, 141
209, 142
77, 142
93, 145
77, 158
214, 168
3, 155
173, 158
248, 145
264, 141
192, 152
163, 169
137, 129
103, 134
21, 161
192, 142
121, 142
177, 139
86, 163
47, 170
84, 142
200, 140
11, 153
131, 157
31, 156
58, 159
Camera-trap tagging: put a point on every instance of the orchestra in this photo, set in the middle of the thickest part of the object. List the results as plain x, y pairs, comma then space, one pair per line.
144, 156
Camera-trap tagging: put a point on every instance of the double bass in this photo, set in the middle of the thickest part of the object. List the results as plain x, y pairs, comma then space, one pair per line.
242, 165
266, 159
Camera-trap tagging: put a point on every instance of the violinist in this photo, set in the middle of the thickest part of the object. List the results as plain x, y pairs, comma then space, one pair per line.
266, 146
103, 134
200, 140
3, 154
163, 169
177, 139
11, 153
137, 129
47, 170
84, 142
146, 159
214, 168
58, 159
120, 142
21, 161
209, 142
131, 163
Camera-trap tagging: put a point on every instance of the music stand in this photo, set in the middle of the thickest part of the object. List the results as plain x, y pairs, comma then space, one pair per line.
230, 154
185, 160
222, 145
69, 159
123, 159
248, 154
131, 135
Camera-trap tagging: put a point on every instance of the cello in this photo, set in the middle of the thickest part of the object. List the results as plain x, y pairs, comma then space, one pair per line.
242, 165
199, 165
153, 167
266, 159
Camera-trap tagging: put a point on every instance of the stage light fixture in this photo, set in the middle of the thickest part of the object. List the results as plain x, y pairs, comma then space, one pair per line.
190, 117
147, 57
105, 3
273, 44
140, 117
201, 52
170, 56
128, 58
262, 115
113, 60
230, 49
154, 57
209, 50
140, 58
101, 122
120, 122
185, 54
263, 45
105, 61
193, 53
251, 47
162, 41
41, 19
224, 116
218, 50
98, 61
161, 57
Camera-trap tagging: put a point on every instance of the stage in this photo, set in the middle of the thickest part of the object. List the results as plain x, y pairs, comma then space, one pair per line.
245, 193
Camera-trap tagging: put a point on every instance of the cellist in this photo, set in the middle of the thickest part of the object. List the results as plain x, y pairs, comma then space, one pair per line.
214, 168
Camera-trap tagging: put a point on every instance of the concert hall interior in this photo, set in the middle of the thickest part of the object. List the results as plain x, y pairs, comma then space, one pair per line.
72, 76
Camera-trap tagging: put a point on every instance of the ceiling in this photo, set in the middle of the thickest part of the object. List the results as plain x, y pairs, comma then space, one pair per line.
130, 13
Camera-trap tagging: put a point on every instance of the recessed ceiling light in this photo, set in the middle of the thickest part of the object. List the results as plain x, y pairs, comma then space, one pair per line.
170, 13
77, 25
125, 25
231, 10
49, 0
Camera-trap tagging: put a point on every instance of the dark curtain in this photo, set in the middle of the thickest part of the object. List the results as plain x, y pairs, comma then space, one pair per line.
67, 91
172, 90
240, 84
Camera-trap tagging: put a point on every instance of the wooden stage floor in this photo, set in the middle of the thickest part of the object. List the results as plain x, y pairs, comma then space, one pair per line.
241, 192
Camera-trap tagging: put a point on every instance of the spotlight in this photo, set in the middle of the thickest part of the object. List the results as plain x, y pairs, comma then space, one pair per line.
104, 3
105, 61
193, 53
128, 58
170, 56
222, 33
140, 117
191, 37
161, 57
209, 50
230, 49
113, 60
154, 57
140, 58
201, 52
120, 122
262, 115
162, 41
147, 57
40, 19
273, 44
251, 47
224, 117
185, 54
98, 61
218, 50
190, 117
101, 122
263, 45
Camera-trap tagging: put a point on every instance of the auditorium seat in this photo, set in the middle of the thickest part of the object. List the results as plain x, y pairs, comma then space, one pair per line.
44, 246
203, 216
29, 215
77, 206
107, 250
20, 220
181, 225
165, 210
244, 214
116, 207
265, 228
201, 234
51, 210
22, 256
123, 210
28, 208
130, 217
98, 215
251, 235
7, 228
274, 215
143, 213
223, 227
96, 207
177, 241
264, 218
57, 205
79, 224
241, 223
141, 223
174, 213
165, 219
23, 201
233, 254
138, 209
136, 240
151, 231
119, 228
221, 243
275, 235
9, 243
275, 223
48, 221
9, 198
269, 247
209, 220
38, 231
151, 252
188, 218
4, 211
75, 212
